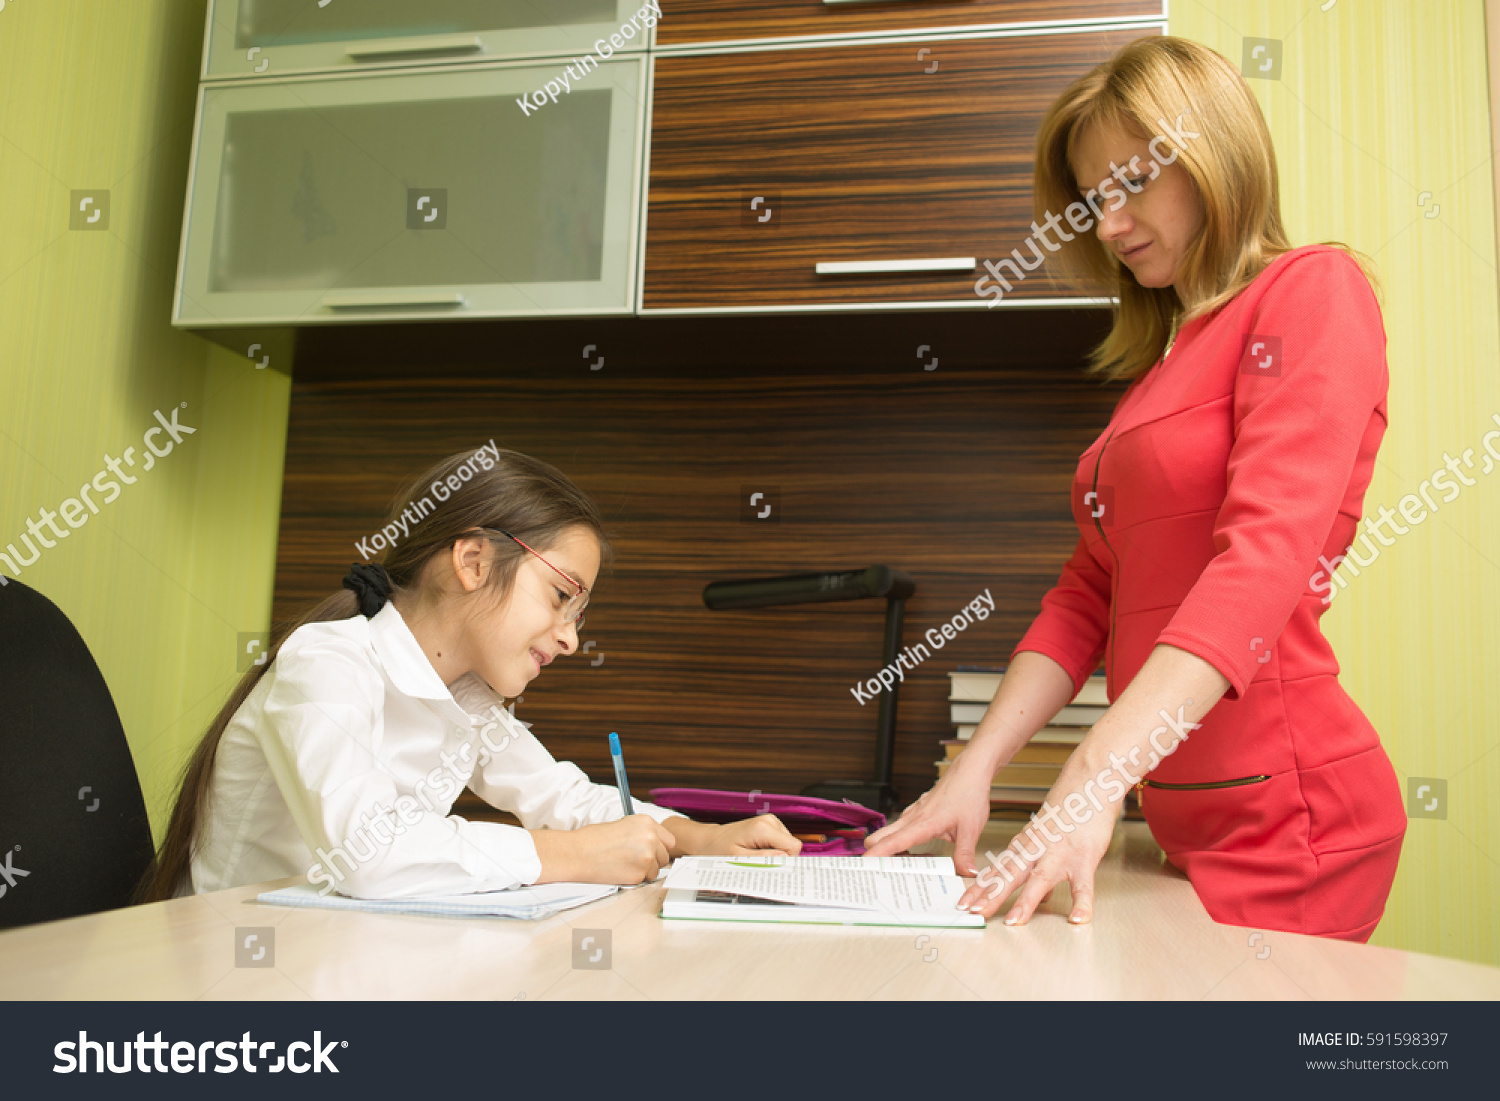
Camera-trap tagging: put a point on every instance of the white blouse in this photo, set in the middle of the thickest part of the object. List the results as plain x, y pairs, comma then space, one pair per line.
344, 761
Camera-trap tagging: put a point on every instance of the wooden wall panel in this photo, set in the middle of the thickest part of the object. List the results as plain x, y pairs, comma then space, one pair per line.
958, 475
686, 21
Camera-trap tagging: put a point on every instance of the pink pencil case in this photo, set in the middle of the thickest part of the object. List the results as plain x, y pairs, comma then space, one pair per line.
844, 825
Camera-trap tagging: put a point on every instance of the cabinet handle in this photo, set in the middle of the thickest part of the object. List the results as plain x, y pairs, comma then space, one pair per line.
356, 300
869, 267
421, 44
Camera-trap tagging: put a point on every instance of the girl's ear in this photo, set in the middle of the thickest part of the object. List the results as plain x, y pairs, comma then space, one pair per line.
469, 562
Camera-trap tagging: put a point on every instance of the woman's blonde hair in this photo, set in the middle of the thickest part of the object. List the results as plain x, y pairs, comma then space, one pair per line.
1148, 88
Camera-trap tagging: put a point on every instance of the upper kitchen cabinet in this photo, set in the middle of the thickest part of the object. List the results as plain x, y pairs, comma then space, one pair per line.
277, 37
856, 175
687, 22
413, 195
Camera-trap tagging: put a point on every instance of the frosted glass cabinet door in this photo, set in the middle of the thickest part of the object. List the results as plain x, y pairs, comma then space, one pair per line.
428, 193
277, 37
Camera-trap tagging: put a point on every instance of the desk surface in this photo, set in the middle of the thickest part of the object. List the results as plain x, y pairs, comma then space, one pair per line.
1151, 939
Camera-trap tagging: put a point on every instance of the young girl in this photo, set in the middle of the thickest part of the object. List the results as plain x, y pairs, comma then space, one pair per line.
340, 757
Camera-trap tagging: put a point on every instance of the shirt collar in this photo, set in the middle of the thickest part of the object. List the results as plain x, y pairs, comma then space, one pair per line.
477, 698
402, 658
408, 668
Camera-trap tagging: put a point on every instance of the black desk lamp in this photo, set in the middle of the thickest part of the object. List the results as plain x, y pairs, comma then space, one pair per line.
817, 588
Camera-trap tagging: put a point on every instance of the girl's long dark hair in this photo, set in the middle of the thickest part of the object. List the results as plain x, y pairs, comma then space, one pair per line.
527, 497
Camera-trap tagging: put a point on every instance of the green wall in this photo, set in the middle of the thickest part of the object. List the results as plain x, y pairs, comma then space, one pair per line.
99, 94
1379, 102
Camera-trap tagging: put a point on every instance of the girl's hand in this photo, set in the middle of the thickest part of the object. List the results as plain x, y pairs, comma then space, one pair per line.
631, 850
1036, 862
753, 835
956, 809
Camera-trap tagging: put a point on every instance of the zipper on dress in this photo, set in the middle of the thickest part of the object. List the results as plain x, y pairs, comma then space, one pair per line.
1109, 656
1140, 788
1110, 646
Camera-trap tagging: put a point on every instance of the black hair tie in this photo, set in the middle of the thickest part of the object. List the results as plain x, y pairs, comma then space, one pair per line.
371, 584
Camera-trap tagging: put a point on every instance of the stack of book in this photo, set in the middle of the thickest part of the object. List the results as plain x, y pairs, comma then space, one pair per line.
1025, 780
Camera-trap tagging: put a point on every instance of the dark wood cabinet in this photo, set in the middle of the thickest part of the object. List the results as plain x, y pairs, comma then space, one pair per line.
694, 21
886, 152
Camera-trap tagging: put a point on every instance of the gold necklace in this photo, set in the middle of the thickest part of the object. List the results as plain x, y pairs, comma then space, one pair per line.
1171, 342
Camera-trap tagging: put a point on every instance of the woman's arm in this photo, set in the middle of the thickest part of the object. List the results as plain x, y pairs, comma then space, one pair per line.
1033, 690
1155, 714
1047, 668
1173, 689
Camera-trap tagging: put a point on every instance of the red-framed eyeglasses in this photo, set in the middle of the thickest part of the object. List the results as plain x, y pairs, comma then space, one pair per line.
572, 605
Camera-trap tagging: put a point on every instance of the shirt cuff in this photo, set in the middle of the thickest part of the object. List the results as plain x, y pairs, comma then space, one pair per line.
661, 814
516, 854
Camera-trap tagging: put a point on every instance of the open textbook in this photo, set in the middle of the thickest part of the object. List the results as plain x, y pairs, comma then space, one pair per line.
834, 890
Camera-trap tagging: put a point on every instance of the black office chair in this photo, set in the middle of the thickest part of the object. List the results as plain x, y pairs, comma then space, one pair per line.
74, 836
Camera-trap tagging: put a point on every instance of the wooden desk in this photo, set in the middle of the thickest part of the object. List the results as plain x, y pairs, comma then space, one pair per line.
1150, 939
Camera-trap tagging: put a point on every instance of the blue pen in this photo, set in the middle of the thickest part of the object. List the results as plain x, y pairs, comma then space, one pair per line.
624, 784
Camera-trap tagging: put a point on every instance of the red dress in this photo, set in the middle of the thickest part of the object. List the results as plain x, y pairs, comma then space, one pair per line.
1225, 472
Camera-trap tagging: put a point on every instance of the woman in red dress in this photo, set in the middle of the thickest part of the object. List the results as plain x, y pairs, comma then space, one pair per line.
1232, 471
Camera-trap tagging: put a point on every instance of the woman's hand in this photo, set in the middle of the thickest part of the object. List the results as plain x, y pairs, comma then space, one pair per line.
631, 850
956, 809
1033, 690
1158, 710
1054, 847
753, 835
